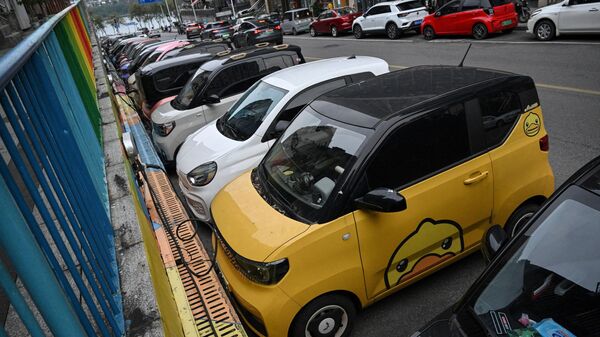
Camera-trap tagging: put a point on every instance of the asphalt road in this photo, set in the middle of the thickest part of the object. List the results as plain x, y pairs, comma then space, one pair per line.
567, 73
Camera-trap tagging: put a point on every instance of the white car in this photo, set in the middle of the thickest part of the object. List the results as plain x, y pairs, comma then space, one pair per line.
569, 16
224, 149
391, 18
209, 93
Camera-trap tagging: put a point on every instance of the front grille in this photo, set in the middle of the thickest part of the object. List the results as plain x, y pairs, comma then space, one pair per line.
197, 206
254, 321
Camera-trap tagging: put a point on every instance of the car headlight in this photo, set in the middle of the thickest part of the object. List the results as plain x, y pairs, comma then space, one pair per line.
164, 129
202, 174
263, 272
536, 12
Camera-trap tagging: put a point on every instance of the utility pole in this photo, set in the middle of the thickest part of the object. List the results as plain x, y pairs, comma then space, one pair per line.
194, 10
233, 10
168, 11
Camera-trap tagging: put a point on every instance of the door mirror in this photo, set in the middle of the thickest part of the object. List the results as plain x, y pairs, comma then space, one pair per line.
494, 239
382, 200
212, 99
438, 13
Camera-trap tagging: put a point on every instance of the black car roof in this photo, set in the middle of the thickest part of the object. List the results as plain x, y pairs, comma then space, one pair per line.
253, 51
401, 92
185, 59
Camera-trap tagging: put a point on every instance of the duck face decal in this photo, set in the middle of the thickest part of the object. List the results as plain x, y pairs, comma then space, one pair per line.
430, 244
531, 126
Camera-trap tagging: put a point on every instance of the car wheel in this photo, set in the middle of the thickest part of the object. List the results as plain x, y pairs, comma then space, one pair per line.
428, 33
480, 31
358, 32
313, 32
392, 31
519, 218
294, 32
329, 315
334, 31
544, 30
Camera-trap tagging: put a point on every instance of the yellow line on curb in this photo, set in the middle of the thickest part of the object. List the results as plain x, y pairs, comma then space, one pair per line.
540, 85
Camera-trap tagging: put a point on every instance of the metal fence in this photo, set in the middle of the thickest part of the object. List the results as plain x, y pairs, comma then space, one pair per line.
59, 271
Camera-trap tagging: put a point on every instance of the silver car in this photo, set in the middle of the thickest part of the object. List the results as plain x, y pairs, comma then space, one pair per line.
296, 21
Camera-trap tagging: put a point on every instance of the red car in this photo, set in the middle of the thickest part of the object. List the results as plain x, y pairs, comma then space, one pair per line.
478, 18
334, 21
193, 30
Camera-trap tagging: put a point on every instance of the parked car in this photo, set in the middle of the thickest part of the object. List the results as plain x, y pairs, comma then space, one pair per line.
193, 30
252, 32
218, 153
334, 21
198, 47
165, 78
217, 30
296, 21
543, 281
159, 52
391, 18
565, 17
274, 16
155, 33
215, 86
374, 186
477, 18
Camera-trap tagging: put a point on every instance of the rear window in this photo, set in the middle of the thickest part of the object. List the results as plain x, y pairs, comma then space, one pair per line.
219, 24
406, 6
345, 11
264, 23
499, 2
302, 14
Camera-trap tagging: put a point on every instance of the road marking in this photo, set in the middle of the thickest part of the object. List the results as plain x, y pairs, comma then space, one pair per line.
446, 41
539, 85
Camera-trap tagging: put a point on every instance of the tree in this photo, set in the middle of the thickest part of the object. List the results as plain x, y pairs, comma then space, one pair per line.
98, 22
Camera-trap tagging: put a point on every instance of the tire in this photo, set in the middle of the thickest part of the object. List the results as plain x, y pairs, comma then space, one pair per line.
544, 30
322, 316
294, 32
428, 33
519, 218
334, 31
358, 32
480, 31
392, 31
313, 32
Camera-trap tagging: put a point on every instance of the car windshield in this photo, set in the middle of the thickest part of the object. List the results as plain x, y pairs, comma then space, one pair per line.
553, 278
248, 113
405, 6
345, 10
192, 88
302, 14
306, 162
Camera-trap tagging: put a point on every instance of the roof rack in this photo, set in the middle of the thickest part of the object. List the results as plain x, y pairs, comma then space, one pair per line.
281, 46
224, 52
262, 45
237, 56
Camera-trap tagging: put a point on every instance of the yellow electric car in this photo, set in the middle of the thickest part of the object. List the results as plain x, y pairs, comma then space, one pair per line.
374, 186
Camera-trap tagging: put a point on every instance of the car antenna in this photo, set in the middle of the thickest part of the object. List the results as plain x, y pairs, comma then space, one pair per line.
464, 57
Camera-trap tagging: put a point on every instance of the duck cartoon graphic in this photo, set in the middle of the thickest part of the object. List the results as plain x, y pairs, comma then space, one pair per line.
532, 125
445, 238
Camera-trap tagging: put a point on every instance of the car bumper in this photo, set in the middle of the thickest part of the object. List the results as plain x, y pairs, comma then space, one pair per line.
276, 38
346, 26
193, 34
266, 309
198, 199
303, 27
501, 23
411, 25
165, 147
530, 25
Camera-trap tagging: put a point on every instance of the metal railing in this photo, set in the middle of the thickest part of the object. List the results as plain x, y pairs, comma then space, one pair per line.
55, 225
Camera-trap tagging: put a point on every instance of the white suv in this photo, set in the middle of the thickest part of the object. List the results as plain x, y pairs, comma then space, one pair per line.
392, 18
569, 16
235, 143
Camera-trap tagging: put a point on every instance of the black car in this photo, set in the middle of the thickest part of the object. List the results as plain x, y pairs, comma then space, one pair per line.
166, 78
217, 30
545, 281
257, 31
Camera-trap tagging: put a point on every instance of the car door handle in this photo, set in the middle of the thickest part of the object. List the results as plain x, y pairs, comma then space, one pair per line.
594, 10
477, 178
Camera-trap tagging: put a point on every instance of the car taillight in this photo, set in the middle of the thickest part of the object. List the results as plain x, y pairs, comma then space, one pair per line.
545, 143
258, 31
215, 30
278, 27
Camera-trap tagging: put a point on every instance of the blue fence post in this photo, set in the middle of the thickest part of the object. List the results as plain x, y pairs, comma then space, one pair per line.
28, 260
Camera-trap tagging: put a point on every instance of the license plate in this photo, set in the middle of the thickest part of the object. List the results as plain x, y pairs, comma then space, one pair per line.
225, 36
506, 22
417, 22
268, 30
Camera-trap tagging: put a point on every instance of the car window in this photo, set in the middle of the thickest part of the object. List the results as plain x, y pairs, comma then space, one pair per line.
375, 10
345, 11
287, 16
499, 111
449, 8
499, 2
245, 26
582, 2
471, 5
421, 148
405, 6
232, 80
299, 15
322, 16
361, 76
302, 99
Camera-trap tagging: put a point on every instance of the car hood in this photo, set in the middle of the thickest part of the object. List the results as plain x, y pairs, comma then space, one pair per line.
202, 146
164, 112
249, 225
551, 8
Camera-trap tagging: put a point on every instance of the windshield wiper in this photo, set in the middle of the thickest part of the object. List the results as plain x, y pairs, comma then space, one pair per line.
232, 130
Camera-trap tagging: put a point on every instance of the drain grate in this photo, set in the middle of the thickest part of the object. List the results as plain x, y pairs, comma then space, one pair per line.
211, 309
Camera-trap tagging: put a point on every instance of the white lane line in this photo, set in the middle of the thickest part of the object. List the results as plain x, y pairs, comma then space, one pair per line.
445, 41
539, 85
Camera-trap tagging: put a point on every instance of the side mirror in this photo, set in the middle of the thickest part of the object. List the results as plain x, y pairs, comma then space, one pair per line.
212, 99
382, 200
129, 145
493, 240
438, 13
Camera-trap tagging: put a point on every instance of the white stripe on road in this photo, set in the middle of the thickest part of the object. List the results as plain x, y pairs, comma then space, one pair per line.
539, 85
325, 38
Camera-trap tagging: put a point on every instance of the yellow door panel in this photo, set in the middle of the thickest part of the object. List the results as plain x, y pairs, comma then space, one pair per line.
446, 215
